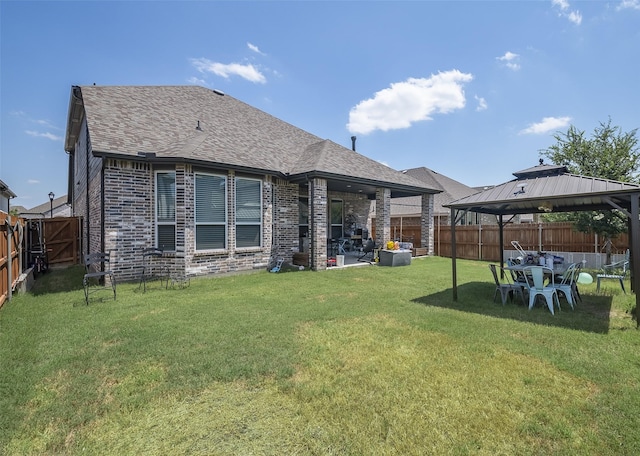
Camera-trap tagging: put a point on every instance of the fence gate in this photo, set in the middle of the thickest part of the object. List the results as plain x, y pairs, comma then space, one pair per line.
62, 239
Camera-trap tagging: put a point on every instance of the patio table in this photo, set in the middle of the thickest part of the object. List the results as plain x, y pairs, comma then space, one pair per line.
558, 269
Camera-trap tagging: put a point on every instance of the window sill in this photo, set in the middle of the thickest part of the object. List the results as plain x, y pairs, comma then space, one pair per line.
219, 252
249, 250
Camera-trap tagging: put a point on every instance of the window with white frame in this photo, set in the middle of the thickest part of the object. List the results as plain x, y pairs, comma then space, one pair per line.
248, 212
211, 211
166, 210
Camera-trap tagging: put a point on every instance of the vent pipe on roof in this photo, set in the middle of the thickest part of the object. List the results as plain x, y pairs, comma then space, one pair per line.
353, 143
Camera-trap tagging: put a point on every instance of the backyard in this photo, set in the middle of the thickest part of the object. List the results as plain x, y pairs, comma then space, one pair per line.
356, 361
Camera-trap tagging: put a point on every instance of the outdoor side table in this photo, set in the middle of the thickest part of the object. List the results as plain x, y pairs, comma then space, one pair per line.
394, 257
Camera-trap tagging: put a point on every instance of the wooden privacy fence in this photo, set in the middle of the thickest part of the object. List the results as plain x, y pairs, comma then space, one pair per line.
11, 239
482, 242
61, 236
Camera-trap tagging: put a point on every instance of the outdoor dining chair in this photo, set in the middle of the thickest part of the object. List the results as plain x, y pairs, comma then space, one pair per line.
535, 276
368, 248
617, 271
98, 275
153, 268
506, 289
567, 286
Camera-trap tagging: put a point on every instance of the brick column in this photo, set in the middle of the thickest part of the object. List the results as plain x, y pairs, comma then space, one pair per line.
426, 223
383, 216
318, 213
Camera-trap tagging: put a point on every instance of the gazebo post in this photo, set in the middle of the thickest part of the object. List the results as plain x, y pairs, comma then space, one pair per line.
454, 272
634, 240
501, 238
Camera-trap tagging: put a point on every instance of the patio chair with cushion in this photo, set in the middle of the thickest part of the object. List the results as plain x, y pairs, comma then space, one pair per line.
506, 289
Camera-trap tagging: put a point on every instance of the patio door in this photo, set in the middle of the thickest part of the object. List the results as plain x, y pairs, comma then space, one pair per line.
336, 219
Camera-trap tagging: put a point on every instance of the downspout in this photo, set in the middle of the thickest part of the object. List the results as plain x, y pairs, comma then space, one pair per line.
87, 218
102, 211
312, 226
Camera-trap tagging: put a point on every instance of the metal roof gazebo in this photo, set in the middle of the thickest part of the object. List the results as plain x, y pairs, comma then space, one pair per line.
546, 188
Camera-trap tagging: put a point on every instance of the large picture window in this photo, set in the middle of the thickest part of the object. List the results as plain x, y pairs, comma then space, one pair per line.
211, 211
248, 212
166, 210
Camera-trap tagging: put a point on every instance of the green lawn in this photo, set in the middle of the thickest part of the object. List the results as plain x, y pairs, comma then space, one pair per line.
357, 361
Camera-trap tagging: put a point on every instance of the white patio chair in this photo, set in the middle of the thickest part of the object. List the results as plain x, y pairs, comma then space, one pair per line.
567, 286
506, 290
535, 282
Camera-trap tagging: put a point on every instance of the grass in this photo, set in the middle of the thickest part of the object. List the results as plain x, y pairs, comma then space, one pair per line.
372, 360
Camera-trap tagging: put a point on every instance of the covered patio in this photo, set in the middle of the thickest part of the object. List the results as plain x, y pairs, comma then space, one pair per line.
547, 188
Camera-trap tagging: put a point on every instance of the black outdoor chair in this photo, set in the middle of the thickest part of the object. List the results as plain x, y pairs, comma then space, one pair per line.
153, 268
98, 276
368, 248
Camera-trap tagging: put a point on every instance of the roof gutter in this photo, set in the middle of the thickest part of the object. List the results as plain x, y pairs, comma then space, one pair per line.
74, 121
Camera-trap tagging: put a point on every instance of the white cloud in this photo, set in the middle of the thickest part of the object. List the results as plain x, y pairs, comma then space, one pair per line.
565, 11
510, 60
255, 49
226, 70
575, 17
33, 181
546, 125
413, 100
41, 122
482, 103
197, 81
630, 4
47, 135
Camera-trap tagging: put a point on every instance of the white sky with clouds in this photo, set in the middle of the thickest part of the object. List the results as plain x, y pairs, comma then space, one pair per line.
473, 90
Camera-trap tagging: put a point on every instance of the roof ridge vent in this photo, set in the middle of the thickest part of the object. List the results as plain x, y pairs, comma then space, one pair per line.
218, 92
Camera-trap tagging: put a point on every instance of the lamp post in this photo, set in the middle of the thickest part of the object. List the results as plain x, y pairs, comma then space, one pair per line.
51, 196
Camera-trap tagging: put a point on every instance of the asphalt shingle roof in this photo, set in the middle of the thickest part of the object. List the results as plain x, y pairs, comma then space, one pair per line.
451, 191
202, 125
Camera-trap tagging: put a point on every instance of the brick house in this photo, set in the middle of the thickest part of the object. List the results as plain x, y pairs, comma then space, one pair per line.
219, 185
5, 196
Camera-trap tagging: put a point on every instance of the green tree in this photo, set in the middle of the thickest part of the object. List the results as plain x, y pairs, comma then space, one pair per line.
608, 154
